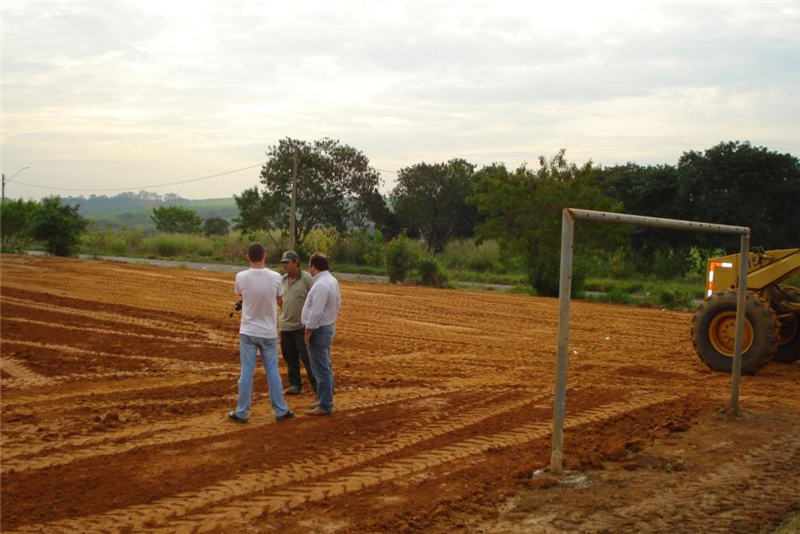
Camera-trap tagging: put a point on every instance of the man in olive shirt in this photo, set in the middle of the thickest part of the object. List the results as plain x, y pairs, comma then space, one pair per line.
296, 285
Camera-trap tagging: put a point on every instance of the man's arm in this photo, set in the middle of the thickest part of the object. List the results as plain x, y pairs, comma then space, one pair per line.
316, 303
279, 300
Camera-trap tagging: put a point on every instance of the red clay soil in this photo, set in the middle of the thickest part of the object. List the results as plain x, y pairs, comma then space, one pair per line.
116, 381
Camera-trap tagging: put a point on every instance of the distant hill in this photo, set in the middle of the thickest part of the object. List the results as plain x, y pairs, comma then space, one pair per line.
133, 210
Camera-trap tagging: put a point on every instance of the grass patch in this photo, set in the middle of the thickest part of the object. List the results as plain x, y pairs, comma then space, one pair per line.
358, 269
789, 526
481, 277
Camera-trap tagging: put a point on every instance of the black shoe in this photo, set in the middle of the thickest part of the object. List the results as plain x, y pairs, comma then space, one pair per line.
235, 418
292, 390
285, 417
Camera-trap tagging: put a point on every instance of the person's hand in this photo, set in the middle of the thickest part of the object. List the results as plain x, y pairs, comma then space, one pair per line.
307, 337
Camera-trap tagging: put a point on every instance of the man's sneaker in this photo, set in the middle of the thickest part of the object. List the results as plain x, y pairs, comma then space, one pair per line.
317, 411
235, 418
285, 417
292, 390
313, 405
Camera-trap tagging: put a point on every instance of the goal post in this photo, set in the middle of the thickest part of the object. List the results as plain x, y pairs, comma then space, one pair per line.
569, 216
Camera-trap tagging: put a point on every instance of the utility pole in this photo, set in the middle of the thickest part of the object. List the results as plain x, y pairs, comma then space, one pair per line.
293, 216
6, 181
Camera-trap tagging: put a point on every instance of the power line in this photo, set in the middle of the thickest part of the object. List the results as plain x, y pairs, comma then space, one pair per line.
142, 186
153, 186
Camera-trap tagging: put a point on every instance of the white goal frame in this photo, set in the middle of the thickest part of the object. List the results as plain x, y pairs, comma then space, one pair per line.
569, 216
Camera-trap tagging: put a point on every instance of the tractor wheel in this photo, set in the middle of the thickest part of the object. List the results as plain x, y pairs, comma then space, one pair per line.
789, 334
714, 327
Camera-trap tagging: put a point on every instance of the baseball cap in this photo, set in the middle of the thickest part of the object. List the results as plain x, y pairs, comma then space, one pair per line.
290, 255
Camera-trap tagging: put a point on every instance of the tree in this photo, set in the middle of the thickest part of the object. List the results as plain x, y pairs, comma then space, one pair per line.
432, 198
736, 183
16, 224
730, 183
336, 187
646, 190
216, 226
59, 225
177, 220
523, 211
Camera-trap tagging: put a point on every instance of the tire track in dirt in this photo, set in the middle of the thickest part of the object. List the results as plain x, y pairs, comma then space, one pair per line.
161, 511
140, 384
157, 513
18, 371
166, 363
718, 501
180, 430
252, 508
192, 342
46, 381
169, 327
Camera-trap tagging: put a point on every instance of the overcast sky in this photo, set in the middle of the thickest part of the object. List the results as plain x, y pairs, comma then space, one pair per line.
101, 95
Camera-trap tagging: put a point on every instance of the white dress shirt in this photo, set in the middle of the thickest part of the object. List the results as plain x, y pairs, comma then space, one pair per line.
323, 302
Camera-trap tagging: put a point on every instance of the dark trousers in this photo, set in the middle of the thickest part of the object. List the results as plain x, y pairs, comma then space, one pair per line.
294, 350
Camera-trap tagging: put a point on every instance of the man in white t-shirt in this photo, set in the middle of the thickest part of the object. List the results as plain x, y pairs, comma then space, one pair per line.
262, 291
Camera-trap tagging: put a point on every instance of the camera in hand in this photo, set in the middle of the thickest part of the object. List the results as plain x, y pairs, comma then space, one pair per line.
236, 307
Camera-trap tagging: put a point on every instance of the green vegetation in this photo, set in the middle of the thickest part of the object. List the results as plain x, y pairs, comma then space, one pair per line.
448, 223
177, 220
401, 258
791, 525
16, 224
523, 212
57, 225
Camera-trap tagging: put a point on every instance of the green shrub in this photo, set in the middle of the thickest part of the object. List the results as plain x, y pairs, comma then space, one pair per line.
231, 247
466, 254
173, 245
431, 272
676, 298
16, 224
320, 240
401, 258
359, 248
59, 225
544, 274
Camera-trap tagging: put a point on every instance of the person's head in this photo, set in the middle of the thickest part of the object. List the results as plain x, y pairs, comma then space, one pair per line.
318, 263
291, 262
256, 253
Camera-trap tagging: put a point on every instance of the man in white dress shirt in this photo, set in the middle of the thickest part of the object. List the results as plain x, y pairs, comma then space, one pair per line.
261, 290
319, 315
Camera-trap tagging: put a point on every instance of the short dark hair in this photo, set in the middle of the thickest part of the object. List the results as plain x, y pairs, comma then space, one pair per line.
319, 261
256, 252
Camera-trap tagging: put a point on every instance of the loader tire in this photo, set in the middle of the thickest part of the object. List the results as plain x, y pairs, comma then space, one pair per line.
713, 330
789, 334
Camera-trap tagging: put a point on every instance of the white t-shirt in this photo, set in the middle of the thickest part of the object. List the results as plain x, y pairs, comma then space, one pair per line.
259, 289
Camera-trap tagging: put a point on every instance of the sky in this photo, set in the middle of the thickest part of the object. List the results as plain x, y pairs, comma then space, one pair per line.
108, 95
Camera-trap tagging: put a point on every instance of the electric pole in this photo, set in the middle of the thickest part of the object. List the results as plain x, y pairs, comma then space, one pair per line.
293, 216
6, 181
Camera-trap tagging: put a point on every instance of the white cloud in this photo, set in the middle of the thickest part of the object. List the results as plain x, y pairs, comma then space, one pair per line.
107, 94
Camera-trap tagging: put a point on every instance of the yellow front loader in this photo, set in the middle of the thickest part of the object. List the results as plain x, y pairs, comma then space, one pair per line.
772, 311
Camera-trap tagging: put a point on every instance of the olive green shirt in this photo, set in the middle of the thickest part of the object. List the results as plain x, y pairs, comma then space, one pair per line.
294, 296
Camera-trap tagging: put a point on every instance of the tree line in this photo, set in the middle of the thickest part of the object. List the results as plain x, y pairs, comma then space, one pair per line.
730, 183
519, 208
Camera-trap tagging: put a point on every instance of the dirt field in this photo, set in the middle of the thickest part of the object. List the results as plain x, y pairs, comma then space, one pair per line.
116, 381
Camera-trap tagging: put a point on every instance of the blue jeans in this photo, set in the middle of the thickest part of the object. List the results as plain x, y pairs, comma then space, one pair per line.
248, 346
319, 354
